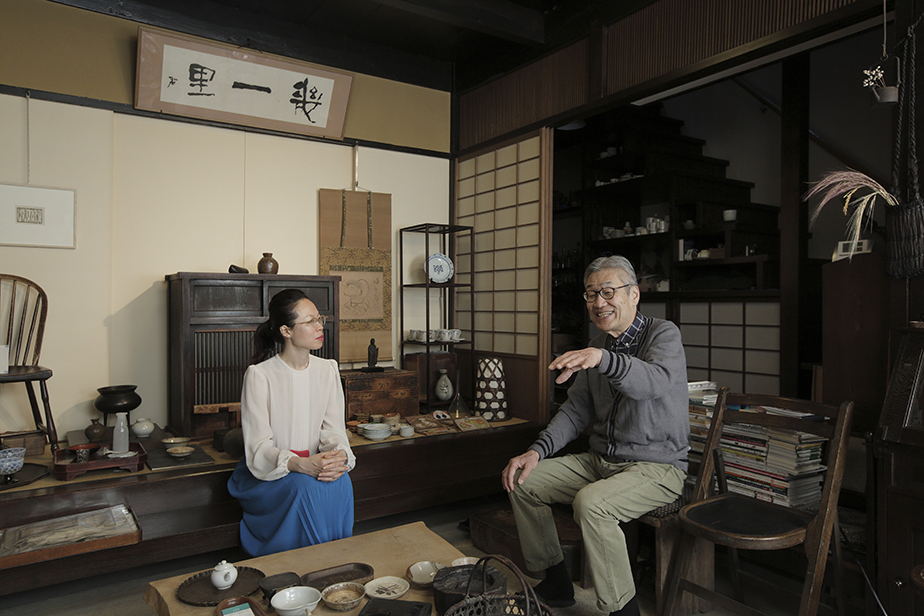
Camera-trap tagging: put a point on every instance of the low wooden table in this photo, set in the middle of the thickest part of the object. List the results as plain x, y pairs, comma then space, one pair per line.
389, 552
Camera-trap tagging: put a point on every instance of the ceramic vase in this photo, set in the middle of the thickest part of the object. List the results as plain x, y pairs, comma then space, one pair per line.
95, 432
491, 389
120, 433
267, 265
143, 427
444, 388
117, 399
233, 443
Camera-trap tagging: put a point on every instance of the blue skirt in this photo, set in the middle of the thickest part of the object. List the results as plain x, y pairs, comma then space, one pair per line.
292, 512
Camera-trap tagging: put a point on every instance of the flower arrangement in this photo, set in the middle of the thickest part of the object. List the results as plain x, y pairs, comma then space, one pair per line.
859, 192
875, 78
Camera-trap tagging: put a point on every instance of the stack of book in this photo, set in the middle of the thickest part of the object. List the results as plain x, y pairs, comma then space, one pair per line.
780, 466
774, 465
703, 395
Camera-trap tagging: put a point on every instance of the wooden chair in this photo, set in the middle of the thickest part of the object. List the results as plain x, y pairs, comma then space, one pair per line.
23, 307
738, 521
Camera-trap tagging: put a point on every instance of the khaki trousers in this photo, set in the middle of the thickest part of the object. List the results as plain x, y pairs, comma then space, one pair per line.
603, 494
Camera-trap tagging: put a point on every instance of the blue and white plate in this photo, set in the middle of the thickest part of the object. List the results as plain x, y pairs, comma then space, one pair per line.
439, 267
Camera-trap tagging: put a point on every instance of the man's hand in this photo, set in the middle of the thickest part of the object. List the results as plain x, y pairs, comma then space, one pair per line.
324, 466
526, 461
572, 361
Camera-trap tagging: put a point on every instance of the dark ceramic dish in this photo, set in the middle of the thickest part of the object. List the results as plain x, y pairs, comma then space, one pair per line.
272, 584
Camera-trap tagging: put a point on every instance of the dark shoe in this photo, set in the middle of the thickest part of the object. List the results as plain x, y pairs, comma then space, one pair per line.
555, 595
629, 609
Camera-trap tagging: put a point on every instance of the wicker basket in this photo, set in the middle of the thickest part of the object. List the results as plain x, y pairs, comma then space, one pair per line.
521, 604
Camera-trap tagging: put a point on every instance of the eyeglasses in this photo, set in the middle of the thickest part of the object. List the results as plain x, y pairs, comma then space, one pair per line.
605, 292
317, 321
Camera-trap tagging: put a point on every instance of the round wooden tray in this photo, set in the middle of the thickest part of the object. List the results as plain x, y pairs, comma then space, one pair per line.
198, 589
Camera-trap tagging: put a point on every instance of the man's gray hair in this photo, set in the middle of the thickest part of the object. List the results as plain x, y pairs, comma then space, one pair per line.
613, 262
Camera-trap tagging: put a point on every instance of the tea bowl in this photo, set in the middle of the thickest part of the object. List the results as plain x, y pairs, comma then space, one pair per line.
296, 600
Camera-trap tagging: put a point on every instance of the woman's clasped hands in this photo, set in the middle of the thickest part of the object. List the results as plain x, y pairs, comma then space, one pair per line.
323, 466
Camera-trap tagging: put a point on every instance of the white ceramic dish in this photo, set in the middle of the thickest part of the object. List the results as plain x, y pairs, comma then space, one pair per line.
468, 560
296, 600
439, 267
388, 587
377, 431
421, 573
180, 452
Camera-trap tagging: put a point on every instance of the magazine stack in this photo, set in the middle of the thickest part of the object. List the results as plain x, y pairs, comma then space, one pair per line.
778, 466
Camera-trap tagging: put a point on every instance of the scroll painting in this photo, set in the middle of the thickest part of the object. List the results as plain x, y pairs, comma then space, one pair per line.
355, 239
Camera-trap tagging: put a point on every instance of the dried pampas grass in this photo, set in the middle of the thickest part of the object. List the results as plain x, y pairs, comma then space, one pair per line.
859, 192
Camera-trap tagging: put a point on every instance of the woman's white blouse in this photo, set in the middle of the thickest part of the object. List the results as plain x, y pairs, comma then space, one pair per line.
284, 409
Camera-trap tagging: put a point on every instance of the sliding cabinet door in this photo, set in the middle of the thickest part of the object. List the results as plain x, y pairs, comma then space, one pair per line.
505, 194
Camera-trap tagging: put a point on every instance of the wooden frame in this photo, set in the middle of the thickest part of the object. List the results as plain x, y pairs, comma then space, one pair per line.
190, 77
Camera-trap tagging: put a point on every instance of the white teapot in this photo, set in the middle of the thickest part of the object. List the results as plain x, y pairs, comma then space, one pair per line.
223, 575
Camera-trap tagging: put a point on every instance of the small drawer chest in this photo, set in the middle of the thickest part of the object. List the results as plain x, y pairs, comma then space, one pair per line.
389, 391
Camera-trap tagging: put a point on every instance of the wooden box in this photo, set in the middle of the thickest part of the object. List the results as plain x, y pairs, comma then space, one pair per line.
33, 441
389, 391
417, 362
68, 535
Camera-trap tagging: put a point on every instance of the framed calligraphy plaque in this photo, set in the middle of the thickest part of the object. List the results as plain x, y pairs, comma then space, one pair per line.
189, 77
34, 216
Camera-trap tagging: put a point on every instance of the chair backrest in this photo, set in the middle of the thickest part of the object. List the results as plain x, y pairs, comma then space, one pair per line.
830, 422
23, 307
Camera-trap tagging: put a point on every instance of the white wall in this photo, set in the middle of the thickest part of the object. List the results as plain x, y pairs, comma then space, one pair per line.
154, 197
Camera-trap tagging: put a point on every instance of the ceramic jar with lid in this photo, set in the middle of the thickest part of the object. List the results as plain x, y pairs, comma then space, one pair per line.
143, 427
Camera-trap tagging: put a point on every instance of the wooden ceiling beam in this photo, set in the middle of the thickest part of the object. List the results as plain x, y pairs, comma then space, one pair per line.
498, 18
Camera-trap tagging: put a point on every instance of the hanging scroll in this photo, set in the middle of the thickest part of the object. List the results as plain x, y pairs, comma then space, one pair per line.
355, 239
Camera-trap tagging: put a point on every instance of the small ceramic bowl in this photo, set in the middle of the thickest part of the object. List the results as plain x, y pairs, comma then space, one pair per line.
377, 431
13, 452
296, 601
468, 560
8, 466
175, 441
180, 452
344, 596
421, 573
84, 451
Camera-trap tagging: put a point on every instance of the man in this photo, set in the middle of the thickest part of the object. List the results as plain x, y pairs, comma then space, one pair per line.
631, 389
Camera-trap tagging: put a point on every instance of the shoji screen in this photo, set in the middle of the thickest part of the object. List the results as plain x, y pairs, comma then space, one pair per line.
504, 194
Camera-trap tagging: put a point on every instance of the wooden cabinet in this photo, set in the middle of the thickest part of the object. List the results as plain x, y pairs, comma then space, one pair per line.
212, 318
899, 447
390, 391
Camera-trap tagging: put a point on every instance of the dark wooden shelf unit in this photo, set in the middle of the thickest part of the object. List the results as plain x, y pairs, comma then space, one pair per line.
212, 318
441, 238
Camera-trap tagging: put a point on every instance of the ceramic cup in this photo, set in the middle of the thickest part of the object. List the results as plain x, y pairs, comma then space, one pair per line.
445, 335
434, 335
406, 430
608, 232
456, 334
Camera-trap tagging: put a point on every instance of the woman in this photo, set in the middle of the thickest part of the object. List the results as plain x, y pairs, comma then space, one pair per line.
292, 482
